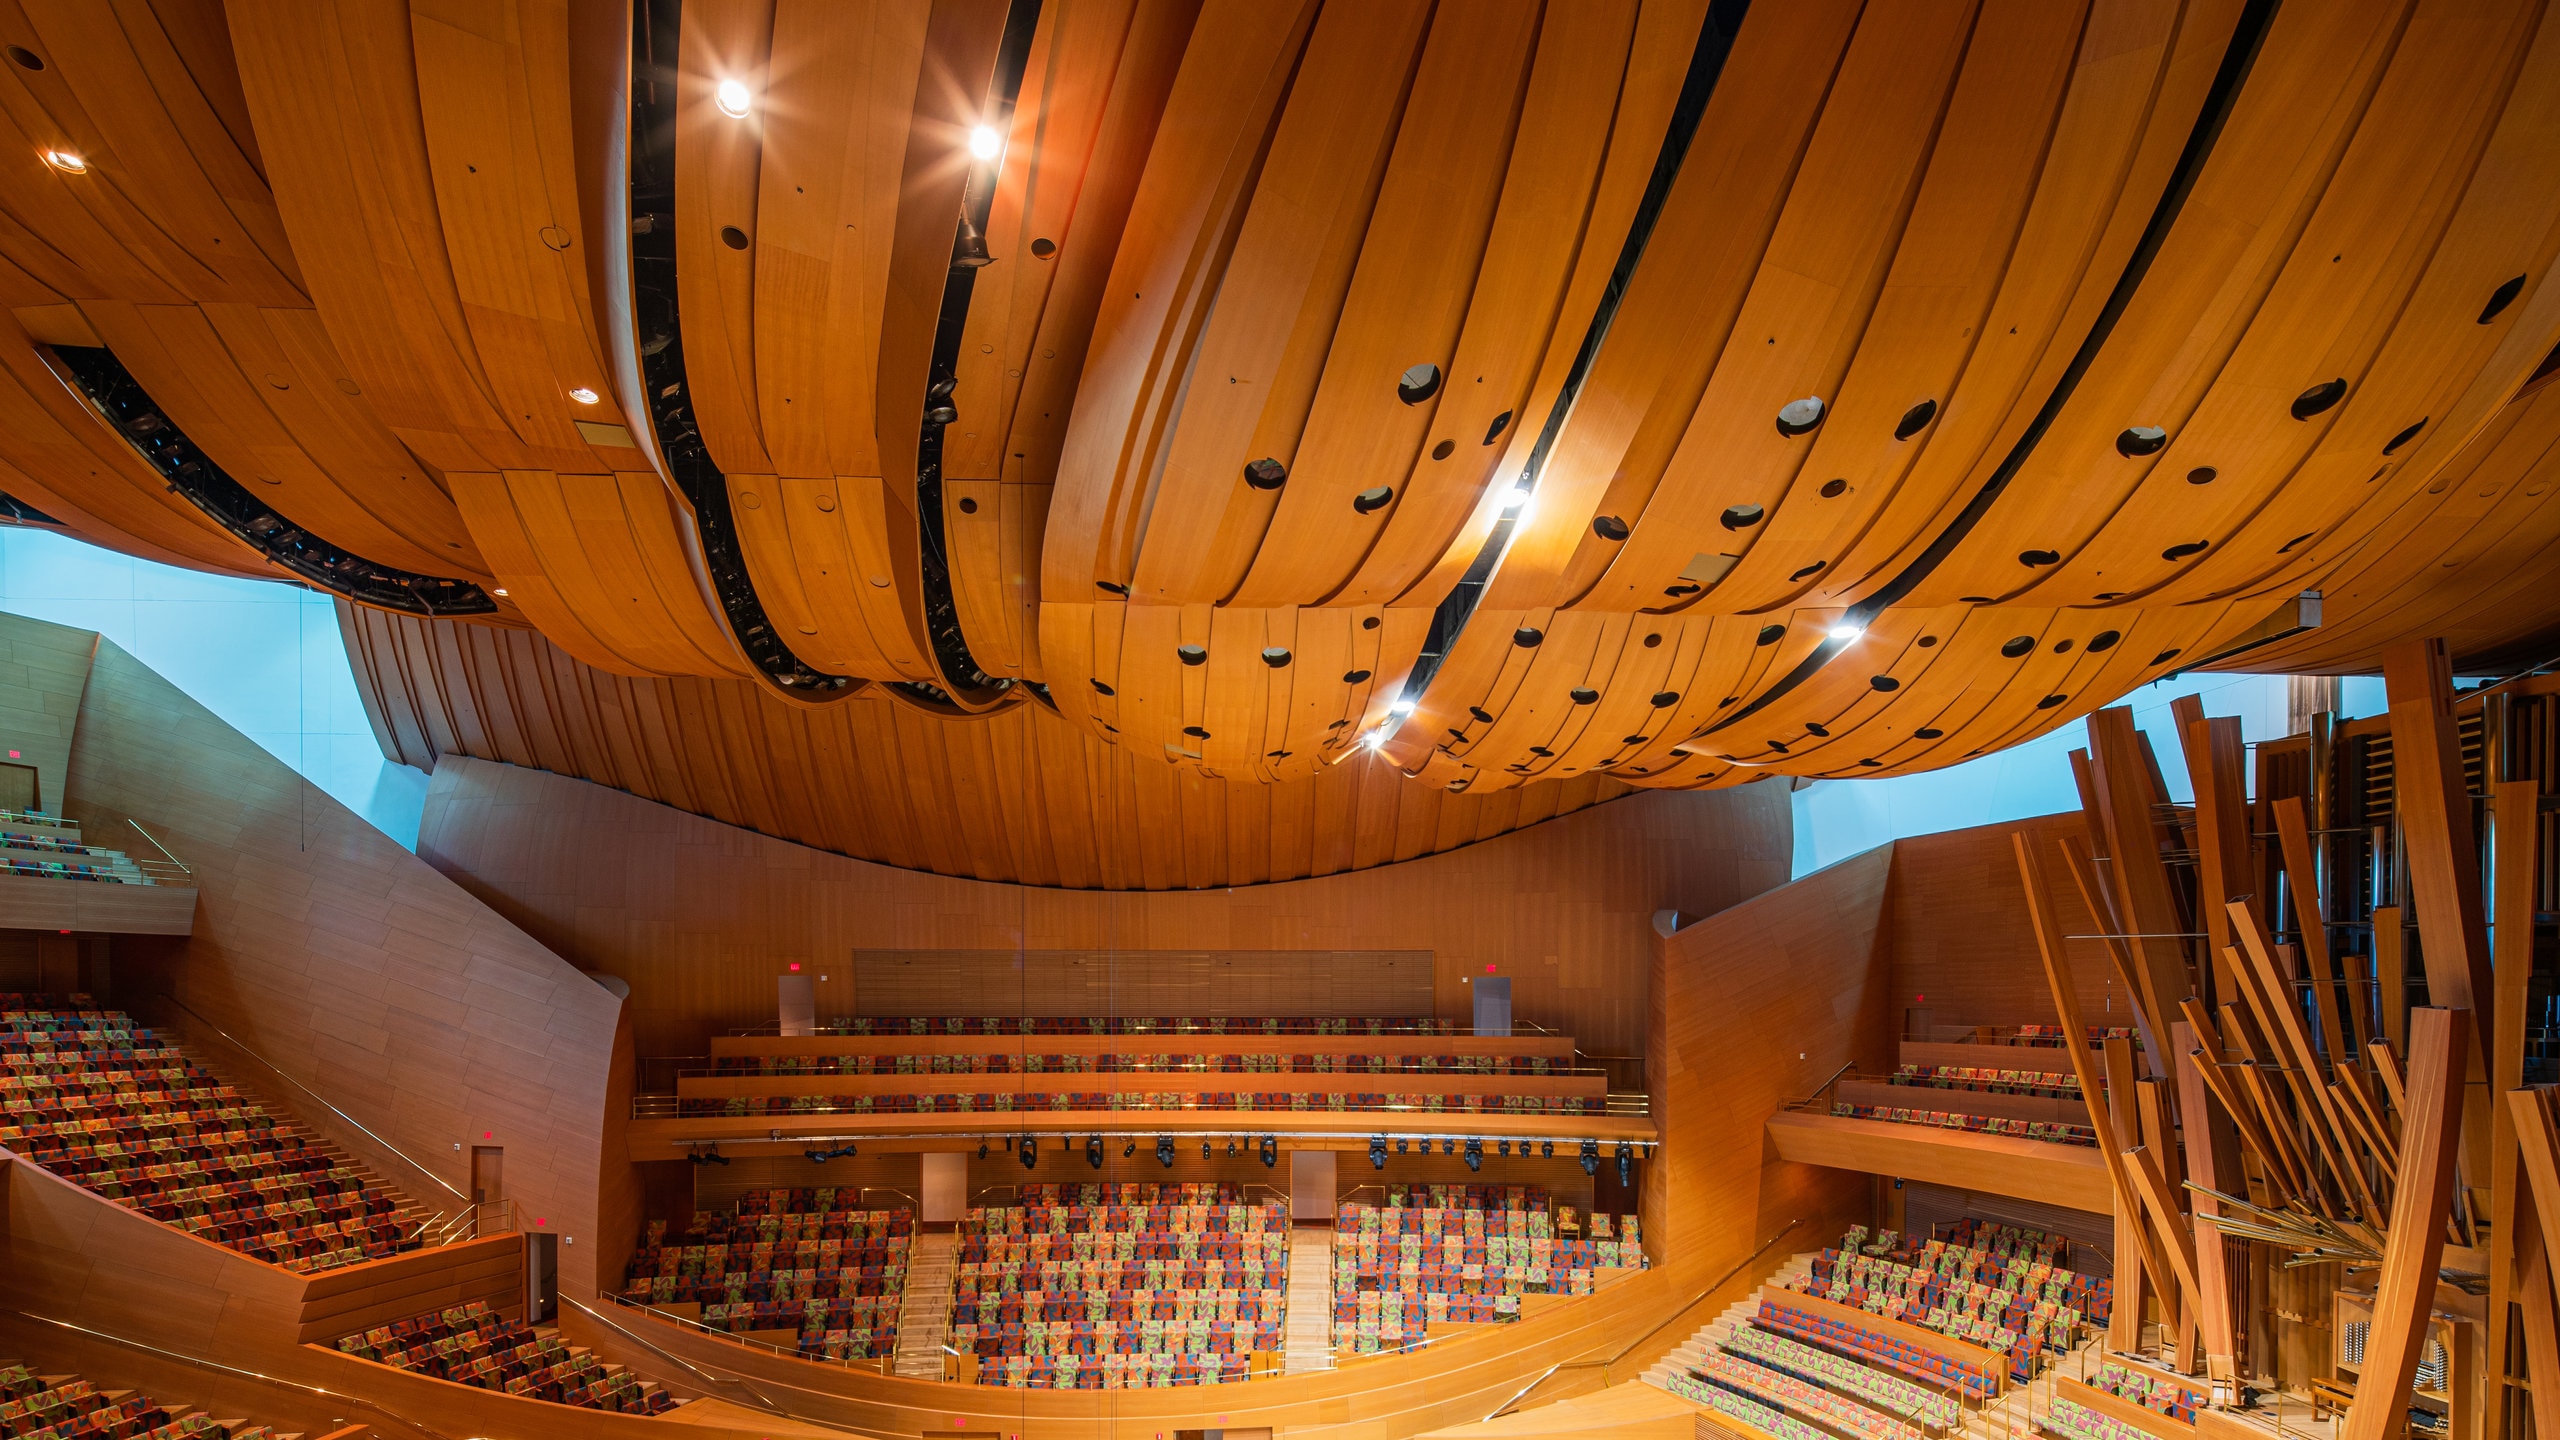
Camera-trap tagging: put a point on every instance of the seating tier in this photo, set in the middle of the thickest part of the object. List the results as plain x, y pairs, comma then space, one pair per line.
806, 1260
1086, 1287
67, 1407
110, 1106
473, 1345
1463, 1255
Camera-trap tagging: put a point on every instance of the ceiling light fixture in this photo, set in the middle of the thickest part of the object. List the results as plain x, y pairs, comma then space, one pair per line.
1518, 497
1846, 633
500, 592
1378, 739
733, 99
584, 396
1401, 707
984, 142
66, 162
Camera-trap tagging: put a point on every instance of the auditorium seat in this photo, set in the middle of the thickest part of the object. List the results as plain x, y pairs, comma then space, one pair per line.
1120, 1286
474, 1345
2152, 1390
807, 1260
979, 1065
98, 1100
1440, 1255
2055, 1132
67, 1407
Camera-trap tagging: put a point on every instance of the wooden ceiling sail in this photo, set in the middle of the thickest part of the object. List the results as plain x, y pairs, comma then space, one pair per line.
2124, 322
1019, 796
153, 234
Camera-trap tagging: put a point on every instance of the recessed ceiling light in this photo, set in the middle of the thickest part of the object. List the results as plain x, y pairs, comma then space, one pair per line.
66, 162
1847, 632
1378, 739
500, 592
984, 142
1401, 707
1518, 497
583, 395
733, 99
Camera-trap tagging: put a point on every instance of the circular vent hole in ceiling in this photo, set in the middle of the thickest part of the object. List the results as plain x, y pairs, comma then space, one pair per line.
2318, 398
2136, 441
1742, 517
1797, 416
1418, 384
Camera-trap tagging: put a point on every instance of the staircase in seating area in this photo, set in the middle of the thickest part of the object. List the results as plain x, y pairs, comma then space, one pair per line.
1310, 1335
1710, 1336
924, 1307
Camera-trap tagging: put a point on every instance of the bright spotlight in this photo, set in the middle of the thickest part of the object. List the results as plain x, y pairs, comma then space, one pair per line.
1847, 632
733, 99
984, 142
1518, 497
1401, 707
1377, 740
584, 396
67, 162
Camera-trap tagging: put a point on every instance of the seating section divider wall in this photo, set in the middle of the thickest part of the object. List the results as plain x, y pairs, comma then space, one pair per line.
102, 1102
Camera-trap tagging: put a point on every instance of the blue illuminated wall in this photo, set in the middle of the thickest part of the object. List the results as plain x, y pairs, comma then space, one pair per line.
265, 656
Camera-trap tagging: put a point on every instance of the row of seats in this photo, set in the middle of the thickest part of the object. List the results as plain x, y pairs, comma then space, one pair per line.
2058, 1132
2053, 1034
21, 840
2068, 1419
1879, 1389
787, 1259
1258, 1062
2150, 1390
1106, 1286
1767, 1419
108, 1105
1113, 1372
91, 870
1127, 1025
1877, 1347
1802, 1397
1402, 1269
474, 1345
1004, 1102
2049, 1084
67, 1407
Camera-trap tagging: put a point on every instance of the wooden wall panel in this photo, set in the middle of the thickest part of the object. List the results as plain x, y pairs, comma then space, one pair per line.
1962, 945
1014, 796
700, 917
43, 669
1760, 1004
334, 953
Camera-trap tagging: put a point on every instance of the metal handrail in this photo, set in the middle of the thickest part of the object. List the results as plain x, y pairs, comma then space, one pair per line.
708, 1377
1520, 1029
1827, 1084
1620, 1104
353, 1401
323, 1100
156, 845
1564, 1072
1629, 1348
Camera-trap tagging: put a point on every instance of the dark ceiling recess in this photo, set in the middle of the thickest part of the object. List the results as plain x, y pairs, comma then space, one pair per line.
123, 403
657, 326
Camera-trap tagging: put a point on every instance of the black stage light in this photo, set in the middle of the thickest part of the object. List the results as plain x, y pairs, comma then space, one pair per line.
1590, 1157
1164, 1151
1546, 1149
1448, 1145
1129, 1149
1204, 1149
1378, 1152
716, 1157
1231, 1149
982, 1149
1030, 1152
1475, 1153
1400, 1144
1626, 1164
817, 1157
1093, 1151
1270, 1151
1505, 1147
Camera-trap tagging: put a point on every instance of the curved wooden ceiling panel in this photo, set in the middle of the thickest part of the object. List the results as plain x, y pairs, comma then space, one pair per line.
1016, 796
1673, 391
